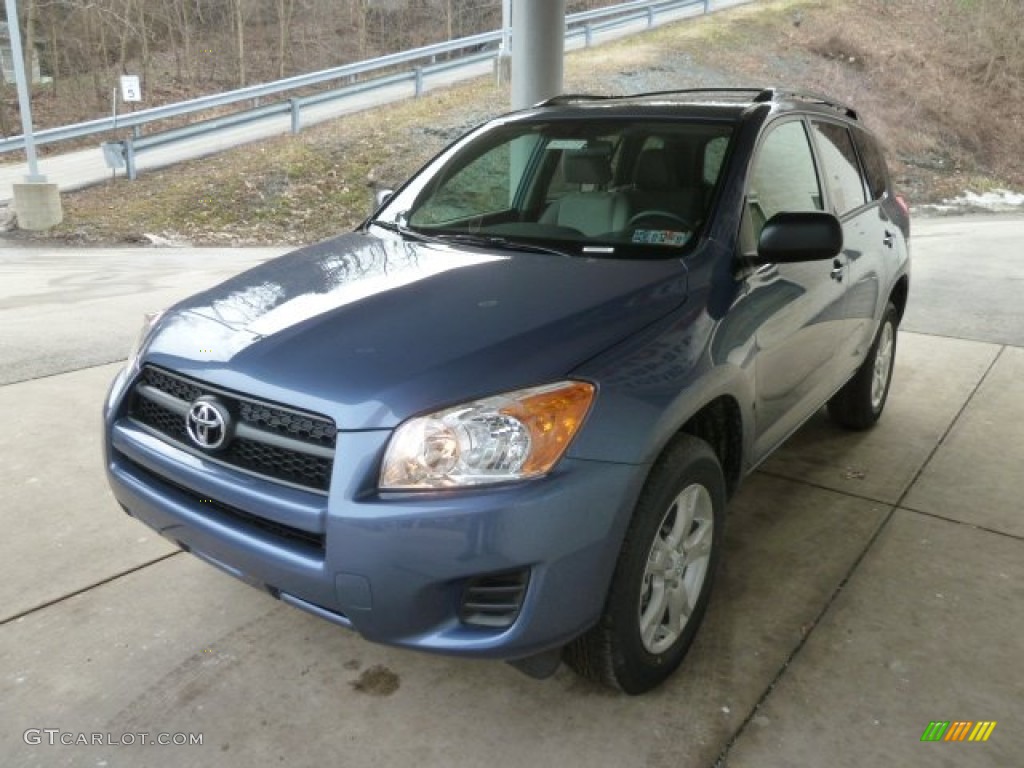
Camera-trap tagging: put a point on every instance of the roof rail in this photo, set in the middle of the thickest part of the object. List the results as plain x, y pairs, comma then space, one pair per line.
569, 98
683, 91
774, 94
758, 95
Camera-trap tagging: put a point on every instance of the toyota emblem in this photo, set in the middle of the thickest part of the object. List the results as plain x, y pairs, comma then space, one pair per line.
208, 424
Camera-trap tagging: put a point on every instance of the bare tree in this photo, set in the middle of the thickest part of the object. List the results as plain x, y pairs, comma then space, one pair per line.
54, 50
239, 19
285, 14
143, 34
29, 44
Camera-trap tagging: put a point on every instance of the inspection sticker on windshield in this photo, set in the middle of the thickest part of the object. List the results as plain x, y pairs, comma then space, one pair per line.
660, 237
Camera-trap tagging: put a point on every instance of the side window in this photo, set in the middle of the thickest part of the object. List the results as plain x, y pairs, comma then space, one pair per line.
714, 155
783, 178
874, 163
482, 187
842, 171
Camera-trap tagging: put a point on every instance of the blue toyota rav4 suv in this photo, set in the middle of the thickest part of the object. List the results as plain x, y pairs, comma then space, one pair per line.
503, 417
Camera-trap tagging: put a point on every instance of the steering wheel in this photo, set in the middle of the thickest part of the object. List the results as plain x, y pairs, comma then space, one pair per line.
658, 214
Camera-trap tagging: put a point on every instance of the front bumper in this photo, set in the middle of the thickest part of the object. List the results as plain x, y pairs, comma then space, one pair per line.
394, 567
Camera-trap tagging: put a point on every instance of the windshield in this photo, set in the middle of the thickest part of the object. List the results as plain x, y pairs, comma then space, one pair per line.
586, 187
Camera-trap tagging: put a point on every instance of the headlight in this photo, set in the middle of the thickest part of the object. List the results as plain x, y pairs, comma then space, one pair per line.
150, 319
513, 436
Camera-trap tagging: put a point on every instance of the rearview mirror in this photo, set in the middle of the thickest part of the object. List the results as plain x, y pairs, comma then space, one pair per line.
794, 237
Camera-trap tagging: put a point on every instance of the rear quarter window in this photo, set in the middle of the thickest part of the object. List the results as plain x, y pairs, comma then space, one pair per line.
841, 169
874, 163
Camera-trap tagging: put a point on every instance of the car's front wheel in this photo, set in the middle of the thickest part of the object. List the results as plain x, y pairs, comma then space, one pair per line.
663, 577
861, 400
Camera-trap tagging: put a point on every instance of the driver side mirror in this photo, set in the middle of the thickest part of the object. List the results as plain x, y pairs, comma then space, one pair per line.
381, 196
794, 237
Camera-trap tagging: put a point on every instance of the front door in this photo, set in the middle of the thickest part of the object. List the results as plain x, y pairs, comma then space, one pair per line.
801, 305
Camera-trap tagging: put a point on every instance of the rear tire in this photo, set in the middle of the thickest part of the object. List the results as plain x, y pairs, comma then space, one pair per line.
861, 400
663, 576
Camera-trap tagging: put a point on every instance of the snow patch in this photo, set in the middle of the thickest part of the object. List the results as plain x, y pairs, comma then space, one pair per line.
996, 201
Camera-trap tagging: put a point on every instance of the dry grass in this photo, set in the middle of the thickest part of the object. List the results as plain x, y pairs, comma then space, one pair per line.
946, 130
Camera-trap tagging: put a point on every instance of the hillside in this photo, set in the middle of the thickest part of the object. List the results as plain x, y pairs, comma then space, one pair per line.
945, 98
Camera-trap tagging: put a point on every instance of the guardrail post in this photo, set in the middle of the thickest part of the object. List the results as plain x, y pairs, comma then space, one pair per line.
419, 81
129, 159
296, 124
650, 16
588, 35
136, 131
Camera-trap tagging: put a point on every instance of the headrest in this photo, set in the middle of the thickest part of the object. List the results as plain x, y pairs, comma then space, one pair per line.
588, 166
653, 170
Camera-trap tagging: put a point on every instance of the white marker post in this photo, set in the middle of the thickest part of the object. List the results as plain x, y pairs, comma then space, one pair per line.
503, 64
24, 103
36, 202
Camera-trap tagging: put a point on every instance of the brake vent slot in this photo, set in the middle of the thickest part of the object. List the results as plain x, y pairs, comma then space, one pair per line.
494, 601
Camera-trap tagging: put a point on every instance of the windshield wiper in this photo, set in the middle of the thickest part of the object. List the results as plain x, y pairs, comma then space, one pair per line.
467, 238
404, 231
496, 241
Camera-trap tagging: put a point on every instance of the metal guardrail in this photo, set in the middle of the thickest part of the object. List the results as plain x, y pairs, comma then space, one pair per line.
584, 24
128, 147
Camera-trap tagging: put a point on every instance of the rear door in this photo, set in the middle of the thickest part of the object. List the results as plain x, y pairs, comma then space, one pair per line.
889, 236
864, 235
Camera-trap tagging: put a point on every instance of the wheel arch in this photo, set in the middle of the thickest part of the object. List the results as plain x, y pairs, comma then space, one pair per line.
899, 295
719, 423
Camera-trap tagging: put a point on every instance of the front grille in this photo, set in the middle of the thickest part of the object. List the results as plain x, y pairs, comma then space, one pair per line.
299, 468
159, 418
494, 601
183, 389
271, 441
311, 429
213, 507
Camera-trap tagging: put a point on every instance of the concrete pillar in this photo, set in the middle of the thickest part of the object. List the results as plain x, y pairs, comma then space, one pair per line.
538, 50
37, 205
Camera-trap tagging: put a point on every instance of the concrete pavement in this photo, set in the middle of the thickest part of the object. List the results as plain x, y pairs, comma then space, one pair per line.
871, 584
65, 309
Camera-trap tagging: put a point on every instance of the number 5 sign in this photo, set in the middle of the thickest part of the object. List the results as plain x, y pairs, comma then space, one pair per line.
130, 88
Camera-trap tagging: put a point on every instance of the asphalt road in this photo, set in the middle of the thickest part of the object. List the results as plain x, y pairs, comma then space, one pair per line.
968, 278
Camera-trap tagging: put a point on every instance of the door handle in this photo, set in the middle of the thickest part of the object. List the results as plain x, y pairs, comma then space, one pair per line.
837, 271
889, 239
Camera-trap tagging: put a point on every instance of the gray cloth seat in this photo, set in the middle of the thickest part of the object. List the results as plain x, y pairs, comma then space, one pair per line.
592, 211
656, 187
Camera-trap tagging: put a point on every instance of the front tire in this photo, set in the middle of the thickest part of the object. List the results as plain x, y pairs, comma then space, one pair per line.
861, 400
663, 576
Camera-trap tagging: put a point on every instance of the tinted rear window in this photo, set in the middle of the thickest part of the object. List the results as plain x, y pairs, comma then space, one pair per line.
842, 170
874, 163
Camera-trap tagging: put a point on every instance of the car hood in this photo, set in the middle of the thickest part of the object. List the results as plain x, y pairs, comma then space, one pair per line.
373, 330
